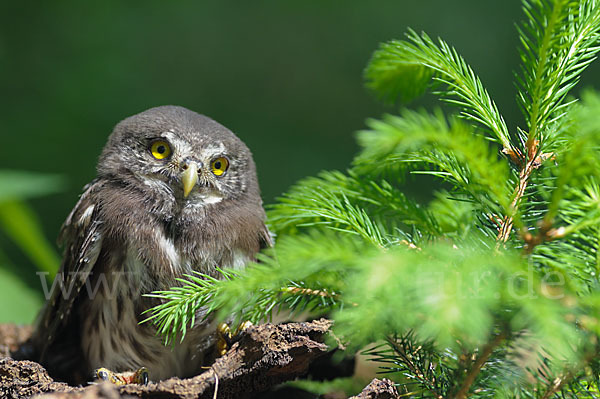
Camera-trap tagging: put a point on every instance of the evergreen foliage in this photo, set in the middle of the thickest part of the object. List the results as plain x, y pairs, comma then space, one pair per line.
491, 289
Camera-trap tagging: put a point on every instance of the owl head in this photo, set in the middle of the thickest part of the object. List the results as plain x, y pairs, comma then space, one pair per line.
182, 153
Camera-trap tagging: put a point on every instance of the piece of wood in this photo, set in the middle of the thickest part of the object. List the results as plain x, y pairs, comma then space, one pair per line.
378, 389
265, 356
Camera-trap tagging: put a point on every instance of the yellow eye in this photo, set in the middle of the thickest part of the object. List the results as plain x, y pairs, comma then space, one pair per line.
219, 166
160, 149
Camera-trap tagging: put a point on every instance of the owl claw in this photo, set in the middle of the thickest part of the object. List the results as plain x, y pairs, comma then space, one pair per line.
225, 338
140, 376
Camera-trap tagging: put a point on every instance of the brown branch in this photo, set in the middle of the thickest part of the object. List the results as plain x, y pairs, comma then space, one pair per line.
545, 233
535, 161
266, 355
310, 292
559, 382
507, 222
556, 386
477, 365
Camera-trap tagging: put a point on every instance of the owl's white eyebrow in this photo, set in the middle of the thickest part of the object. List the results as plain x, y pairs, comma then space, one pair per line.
181, 145
168, 135
218, 149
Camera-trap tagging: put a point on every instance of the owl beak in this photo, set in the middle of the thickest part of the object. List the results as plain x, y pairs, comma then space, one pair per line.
189, 178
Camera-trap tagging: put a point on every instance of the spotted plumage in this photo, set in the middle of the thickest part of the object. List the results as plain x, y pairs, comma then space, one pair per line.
175, 192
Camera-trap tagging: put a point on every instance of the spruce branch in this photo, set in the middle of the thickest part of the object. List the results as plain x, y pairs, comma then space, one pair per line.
573, 201
398, 61
461, 156
568, 374
350, 203
418, 361
524, 176
559, 40
261, 289
200, 294
579, 159
336, 211
543, 17
311, 292
555, 386
179, 305
479, 362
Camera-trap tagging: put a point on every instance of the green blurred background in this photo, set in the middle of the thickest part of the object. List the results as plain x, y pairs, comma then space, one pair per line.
286, 76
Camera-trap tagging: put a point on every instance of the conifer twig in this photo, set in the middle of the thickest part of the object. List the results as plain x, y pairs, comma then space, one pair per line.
478, 364
559, 382
524, 175
545, 233
556, 386
409, 244
310, 291
426, 382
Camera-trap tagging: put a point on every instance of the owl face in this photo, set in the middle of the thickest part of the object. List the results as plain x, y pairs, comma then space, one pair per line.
181, 153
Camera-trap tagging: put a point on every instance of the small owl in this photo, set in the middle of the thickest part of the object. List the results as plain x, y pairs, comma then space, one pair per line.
175, 193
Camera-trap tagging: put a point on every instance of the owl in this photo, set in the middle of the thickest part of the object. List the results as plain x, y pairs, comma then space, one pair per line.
175, 193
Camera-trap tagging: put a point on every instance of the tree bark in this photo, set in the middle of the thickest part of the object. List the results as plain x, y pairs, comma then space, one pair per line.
265, 356
378, 389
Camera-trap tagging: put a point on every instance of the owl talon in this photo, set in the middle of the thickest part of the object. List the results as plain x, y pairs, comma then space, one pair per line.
140, 376
223, 338
226, 338
243, 327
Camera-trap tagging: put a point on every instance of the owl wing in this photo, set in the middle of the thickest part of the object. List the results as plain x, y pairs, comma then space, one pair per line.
81, 237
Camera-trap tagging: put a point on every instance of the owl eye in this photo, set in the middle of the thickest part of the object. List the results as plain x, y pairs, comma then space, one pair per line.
219, 166
160, 149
